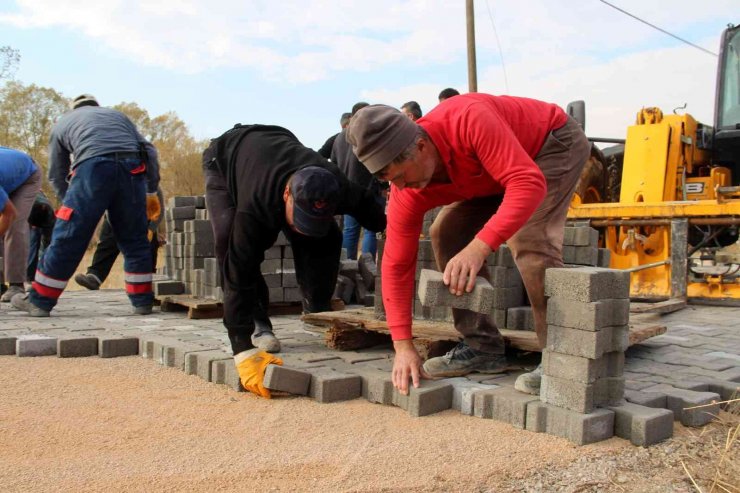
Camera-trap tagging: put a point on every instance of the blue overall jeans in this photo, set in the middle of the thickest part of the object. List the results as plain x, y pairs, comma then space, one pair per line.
116, 183
351, 238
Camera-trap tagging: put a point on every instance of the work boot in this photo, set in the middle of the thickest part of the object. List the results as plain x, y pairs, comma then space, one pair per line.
21, 302
12, 291
143, 310
529, 382
463, 359
89, 281
266, 341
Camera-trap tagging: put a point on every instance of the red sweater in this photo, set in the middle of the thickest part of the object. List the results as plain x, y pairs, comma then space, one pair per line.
488, 145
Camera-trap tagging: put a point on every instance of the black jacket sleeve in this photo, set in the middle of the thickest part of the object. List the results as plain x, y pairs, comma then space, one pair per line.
365, 205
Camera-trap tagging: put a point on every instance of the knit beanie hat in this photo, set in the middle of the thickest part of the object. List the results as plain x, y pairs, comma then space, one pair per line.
379, 134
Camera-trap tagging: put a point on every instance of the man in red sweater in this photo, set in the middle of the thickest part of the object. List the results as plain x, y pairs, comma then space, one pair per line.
505, 169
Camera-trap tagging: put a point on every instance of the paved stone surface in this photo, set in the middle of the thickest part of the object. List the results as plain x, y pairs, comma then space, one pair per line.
698, 357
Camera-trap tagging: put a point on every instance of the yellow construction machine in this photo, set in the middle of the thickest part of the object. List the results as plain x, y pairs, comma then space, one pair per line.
666, 200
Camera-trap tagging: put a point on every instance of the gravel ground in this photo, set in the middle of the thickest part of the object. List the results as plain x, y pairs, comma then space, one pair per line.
128, 424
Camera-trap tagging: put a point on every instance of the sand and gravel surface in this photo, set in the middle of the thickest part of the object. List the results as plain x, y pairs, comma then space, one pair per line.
128, 424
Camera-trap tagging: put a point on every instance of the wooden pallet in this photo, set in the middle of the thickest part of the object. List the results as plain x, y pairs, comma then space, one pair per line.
197, 308
355, 329
202, 308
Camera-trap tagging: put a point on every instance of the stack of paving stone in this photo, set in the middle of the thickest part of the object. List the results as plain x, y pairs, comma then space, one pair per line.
581, 246
357, 279
278, 270
509, 297
190, 260
583, 363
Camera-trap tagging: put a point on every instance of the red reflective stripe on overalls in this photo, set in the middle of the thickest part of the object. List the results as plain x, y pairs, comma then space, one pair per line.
141, 288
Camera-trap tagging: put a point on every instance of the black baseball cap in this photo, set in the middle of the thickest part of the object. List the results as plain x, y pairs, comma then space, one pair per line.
316, 192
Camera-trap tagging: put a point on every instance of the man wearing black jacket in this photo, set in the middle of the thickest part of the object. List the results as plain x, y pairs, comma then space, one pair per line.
261, 180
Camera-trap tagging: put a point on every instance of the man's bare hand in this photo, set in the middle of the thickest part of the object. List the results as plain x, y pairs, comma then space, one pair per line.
407, 364
7, 217
461, 270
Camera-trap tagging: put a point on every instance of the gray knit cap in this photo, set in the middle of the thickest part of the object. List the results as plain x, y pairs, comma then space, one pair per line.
379, 134
84, 100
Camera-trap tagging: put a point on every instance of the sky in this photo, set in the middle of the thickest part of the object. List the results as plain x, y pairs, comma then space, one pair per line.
302, 63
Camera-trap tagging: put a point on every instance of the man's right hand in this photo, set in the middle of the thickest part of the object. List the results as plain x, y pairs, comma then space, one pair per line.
7, 217
251, 366
407, 364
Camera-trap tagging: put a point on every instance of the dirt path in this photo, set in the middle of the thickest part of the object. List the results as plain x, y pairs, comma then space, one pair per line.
128, 424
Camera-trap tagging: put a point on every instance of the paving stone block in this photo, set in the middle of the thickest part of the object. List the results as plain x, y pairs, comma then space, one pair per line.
586, 343
231, 376
199, 363
536, 418
505, 277
431, 397
503, 257
519, 318
579, 428
583, 370
503, 404
603, 257
508, 297
113, 347
183, 212
691, 408
592, 316
576, 396
286, 380
641, 425
7, 346
378, 388
331, 386
463, 394
587, 284
77, 347
168, 287
35, 345
433, 292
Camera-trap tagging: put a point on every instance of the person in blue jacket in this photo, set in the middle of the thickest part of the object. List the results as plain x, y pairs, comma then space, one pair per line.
20, 180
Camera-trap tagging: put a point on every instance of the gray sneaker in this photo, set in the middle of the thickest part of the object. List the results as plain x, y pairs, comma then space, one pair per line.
463, 359
529, 382
21, 302
12, 291
143, 310
266, 341
89, 281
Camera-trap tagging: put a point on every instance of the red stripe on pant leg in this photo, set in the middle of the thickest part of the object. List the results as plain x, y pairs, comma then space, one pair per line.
47, 291
141, 288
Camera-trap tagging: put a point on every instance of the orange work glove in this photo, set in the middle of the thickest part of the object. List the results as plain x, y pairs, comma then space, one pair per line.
251, 366
153, 207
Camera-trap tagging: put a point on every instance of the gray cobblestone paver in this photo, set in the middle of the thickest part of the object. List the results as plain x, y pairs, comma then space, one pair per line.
699, 354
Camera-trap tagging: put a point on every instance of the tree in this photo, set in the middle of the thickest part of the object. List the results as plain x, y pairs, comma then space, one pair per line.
9, 61
27, 115
179, 153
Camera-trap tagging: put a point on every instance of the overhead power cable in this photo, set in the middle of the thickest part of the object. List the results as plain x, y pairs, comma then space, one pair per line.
500, 51
658, 28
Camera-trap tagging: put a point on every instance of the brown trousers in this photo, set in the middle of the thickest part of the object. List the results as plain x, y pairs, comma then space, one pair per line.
16, 238
536, 247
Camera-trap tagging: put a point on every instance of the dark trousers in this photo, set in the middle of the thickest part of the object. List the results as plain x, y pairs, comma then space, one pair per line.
106, 183
536, 247
316, 264
106, 252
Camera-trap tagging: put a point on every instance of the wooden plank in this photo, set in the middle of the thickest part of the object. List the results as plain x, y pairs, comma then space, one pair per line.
667, 306
639, 333
431, 331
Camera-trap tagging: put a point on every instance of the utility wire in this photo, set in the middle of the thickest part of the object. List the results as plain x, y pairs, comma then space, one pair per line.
500, 52
659, 29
